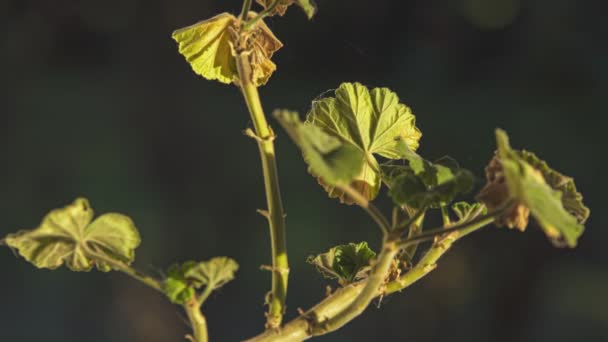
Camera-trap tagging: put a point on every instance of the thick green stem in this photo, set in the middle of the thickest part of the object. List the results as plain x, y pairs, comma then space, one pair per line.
275, 214
245, 10
197, 320
266, 12
445, 216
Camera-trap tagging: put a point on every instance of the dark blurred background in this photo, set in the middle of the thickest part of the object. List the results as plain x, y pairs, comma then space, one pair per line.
97, 102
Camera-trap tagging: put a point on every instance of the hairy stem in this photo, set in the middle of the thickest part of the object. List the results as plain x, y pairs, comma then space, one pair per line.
197, 320
275, 214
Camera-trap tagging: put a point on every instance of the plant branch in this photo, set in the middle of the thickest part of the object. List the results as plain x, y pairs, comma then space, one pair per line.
266, 12
197, 320
245, 10
128, 270
445, 216
275, 214
440, 246
370, 290
204, 295
340, 301
465, 228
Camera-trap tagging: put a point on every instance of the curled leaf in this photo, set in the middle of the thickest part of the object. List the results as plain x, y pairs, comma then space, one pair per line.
346, 263
372, 121
182, 280
68, 236
334, 161
207, 46
213, 273
210, 46
547, 195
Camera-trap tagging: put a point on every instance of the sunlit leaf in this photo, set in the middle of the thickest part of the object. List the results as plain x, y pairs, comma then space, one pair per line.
210, 48
527, 181
68, 236
214, 273
327, 157
207, 46
572, 200
346, 263
372, 121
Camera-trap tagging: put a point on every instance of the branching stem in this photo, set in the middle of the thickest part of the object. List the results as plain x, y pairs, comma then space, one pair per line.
345, 304
276, 216
197, 320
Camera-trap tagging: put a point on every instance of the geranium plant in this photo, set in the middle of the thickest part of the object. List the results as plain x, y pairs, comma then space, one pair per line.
357, 143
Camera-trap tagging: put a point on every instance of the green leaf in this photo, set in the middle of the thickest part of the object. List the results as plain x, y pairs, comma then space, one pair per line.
572, 200
308, 6
528, 186
182, 280
346, 263
372, 121
422, 183
213, 273
209, 47
176, 286
67, 236
329, 158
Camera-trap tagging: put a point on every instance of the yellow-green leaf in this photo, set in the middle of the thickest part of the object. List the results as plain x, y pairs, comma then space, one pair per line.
207, 46
213, 273
372, 121
327, 157
529, 187
210, 48
68, 236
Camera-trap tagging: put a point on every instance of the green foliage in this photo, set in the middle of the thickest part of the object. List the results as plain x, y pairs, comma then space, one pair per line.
346, 263
424, 184
68, 236
182, 280
327, 157
572, 200
210, 48
176, 286
374, 122
528, 187
213, 273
